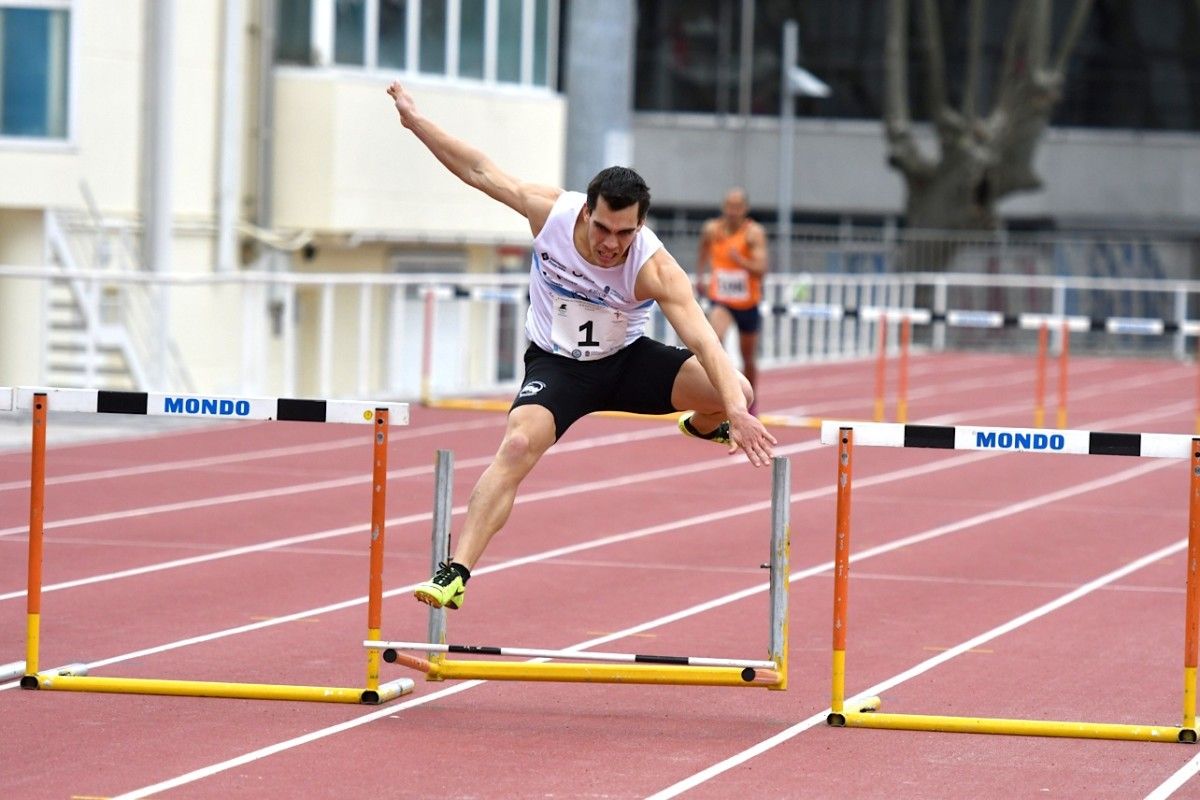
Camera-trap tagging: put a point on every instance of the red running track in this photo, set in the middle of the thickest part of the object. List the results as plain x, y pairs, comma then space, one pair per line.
239, 553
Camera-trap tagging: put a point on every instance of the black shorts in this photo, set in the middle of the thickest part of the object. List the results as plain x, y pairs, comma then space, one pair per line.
638, 378
748, 320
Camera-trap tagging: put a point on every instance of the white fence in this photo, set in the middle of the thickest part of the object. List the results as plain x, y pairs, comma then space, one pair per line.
443, 334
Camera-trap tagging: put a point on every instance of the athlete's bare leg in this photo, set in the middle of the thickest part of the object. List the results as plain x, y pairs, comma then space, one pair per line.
529, 434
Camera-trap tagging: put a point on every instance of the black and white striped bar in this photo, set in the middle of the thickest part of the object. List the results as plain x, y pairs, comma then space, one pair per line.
575, 655
1024, 440
196, 406
968, 318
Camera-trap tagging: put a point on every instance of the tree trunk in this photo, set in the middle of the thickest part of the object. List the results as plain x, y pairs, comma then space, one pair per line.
980, 158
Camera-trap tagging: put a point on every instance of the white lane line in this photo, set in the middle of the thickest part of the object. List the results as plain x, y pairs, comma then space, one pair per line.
785, 735
238, 458
1176, 781
421, 516
550, 494
715, 516
1088, 486
335, 483
566, 447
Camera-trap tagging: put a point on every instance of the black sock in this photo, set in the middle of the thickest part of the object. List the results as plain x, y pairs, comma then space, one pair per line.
462, 571
687, 423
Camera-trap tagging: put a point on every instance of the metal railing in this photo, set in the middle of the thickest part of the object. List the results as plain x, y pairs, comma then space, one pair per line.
456, 334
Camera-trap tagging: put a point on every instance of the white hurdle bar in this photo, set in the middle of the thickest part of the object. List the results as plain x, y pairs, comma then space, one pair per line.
586, 655
1000, 439
203, 406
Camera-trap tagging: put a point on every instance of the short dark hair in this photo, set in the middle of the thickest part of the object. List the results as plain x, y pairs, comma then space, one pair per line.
620, 187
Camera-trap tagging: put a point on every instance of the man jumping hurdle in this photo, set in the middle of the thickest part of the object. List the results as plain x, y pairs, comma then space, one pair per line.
596, 271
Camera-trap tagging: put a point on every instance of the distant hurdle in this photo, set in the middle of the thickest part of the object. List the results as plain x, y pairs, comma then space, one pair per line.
862, 712
74, 677
608, 668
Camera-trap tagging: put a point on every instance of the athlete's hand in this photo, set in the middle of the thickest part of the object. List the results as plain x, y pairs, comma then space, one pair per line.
747, 433
403, 100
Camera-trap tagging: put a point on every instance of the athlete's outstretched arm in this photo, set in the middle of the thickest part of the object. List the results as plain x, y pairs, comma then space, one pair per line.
663, 280
473, 167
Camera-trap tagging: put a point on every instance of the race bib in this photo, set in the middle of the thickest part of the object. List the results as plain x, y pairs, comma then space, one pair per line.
733, 285
587, 331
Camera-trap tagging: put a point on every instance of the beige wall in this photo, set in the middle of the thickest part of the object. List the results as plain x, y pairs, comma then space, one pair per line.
20, 300
342, 168
343, 163
107, 103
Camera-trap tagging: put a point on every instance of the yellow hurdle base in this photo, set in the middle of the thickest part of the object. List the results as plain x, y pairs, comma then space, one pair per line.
568, 672
1014, 727
250, 691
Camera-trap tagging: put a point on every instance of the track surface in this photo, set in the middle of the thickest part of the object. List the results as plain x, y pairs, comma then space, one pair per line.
239, 553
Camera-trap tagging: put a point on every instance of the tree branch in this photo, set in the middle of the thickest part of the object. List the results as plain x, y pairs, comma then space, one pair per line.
974, 58
1075, 26
935, 61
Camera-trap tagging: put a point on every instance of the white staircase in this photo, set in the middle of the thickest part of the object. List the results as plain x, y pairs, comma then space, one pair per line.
100, 334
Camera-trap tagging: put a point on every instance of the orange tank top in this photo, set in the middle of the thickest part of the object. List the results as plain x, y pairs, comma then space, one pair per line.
731, 285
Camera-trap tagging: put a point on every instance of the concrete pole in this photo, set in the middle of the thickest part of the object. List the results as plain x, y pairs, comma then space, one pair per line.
787, 143
158, 163
600, 52
229, 167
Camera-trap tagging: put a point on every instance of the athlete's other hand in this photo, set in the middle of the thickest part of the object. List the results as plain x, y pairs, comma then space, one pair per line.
747, 433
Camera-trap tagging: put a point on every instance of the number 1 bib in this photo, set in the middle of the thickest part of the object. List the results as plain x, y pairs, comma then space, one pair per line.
587, 331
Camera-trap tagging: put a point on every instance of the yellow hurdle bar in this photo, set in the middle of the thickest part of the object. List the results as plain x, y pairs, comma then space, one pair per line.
447, 669
247, 691
1018, 727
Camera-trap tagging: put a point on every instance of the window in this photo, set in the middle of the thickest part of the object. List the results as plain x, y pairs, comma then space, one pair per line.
293, 31
509, 41
433, 37
1136, 65
393, 34
508, 58
34, 74
471, 39
349, 32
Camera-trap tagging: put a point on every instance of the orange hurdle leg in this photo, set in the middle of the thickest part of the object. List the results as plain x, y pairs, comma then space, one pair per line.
881, 369
841, 568
902, 378
37, 514
1039, 386
1063, 358
378, 515
1191, 638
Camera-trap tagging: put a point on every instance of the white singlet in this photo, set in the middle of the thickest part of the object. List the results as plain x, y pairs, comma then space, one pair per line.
577, 309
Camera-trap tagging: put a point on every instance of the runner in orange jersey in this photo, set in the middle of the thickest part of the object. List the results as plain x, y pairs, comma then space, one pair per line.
733, 248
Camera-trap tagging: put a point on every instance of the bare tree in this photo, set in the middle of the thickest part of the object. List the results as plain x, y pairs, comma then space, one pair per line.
982, 155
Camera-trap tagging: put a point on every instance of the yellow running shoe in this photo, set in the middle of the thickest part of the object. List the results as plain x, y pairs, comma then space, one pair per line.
445, 588
720, 434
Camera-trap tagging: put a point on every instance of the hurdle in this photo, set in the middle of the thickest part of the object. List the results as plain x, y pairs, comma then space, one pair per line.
74, 677
862, 712
608, 668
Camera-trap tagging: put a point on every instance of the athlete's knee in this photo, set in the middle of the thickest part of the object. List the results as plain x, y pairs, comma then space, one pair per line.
515, 448
520, 449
